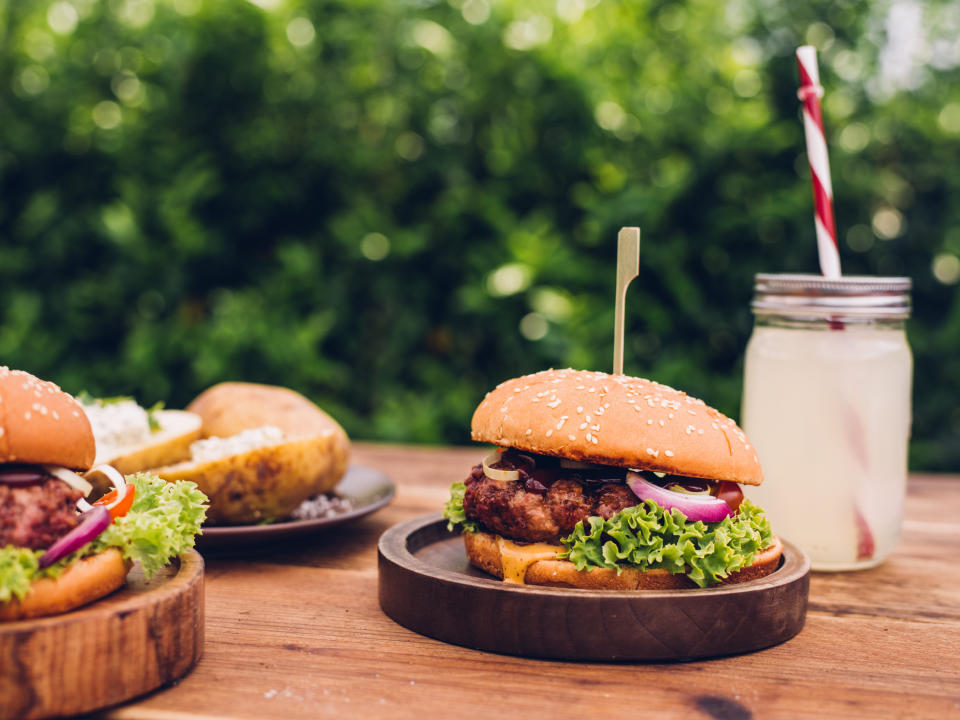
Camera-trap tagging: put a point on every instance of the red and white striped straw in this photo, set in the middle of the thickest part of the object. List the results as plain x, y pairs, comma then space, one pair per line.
810, 93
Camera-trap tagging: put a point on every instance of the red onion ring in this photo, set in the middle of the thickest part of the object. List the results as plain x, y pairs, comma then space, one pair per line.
22, 475
91, 525
696, 507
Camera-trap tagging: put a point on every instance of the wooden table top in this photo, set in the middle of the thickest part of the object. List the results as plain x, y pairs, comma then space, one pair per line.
295, 630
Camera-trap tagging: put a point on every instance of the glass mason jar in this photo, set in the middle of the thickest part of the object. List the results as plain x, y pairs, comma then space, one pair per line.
826, 403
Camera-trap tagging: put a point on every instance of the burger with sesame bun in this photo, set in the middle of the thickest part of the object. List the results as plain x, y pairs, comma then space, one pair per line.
610, 482
58, 550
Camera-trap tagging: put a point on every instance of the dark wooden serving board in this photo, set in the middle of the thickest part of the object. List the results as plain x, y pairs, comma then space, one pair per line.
143, 636
427, 585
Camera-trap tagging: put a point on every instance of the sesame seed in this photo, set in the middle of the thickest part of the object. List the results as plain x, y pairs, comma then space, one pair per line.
595, 427
651, 451
2, 431
589, 437
594, 441
670, 416
715, 426
591, 390
580, 409
553, 404
572, 437
649, 421
550, 432
692, 412
668, 453
583, 426
55, 415
528, 431
26, 415
700, 431
661, 423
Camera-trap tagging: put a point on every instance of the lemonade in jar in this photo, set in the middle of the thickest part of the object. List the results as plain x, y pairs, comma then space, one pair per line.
826, 403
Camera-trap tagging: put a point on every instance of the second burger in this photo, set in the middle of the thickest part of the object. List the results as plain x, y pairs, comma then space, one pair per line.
610, 482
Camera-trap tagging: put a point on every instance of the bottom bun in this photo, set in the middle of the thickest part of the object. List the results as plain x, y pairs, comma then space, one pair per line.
483, 551
83, 582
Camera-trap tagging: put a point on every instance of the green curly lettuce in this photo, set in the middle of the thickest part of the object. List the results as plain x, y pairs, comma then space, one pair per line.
453, 511
18, 568
646, 536
160, 525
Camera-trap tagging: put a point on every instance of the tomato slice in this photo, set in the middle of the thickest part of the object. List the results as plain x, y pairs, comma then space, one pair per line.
123, 506
730, 493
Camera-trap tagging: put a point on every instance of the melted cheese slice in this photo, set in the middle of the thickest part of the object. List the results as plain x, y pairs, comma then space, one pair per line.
517, 558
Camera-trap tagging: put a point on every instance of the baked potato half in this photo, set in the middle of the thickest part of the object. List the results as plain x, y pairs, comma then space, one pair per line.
169, 444
269, 482
265, 483
232, 407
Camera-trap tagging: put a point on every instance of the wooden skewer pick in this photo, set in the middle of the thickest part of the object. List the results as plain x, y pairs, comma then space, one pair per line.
628, 267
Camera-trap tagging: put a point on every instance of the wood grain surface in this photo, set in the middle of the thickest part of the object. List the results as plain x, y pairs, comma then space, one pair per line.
145, 635
296, 631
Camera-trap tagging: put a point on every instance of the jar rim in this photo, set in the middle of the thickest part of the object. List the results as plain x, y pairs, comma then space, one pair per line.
851, 295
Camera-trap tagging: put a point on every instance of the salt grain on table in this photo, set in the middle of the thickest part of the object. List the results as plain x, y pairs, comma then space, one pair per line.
320, 507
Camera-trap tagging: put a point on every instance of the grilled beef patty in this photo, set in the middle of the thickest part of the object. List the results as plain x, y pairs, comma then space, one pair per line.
34, 516
543, 506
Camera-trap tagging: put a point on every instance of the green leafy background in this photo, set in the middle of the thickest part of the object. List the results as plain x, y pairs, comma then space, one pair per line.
391, 205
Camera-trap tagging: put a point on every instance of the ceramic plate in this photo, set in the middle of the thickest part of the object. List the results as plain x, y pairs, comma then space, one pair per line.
367, 489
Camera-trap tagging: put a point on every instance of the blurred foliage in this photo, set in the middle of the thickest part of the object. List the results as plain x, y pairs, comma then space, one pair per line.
393, 205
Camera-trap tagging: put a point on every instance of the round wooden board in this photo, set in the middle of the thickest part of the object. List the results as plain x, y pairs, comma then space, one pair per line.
142, 636
427, 585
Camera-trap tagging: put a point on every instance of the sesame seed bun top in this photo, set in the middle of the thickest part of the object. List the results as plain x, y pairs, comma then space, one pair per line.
616, 420
41, 424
